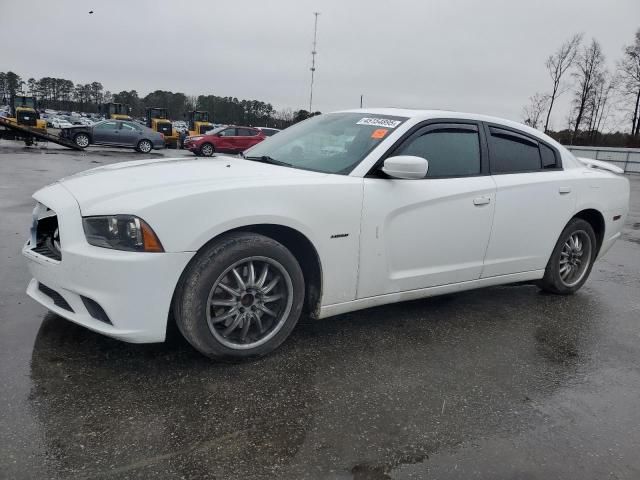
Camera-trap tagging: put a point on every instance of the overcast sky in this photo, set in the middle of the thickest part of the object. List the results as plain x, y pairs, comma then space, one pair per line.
482, 56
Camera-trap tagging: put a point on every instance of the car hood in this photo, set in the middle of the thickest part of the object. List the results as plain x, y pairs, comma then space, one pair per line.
150, 181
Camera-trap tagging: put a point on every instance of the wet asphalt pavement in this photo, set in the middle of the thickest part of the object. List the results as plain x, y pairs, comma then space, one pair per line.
498, 383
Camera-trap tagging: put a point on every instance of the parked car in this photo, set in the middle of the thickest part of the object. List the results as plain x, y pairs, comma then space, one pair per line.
74, 120
229, 139
116, 133
268, 131
411, 204
58, 122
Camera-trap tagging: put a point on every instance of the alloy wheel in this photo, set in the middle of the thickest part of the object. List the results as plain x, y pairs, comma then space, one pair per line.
249, 303
207, 150
575, 258
145, 146
82, 141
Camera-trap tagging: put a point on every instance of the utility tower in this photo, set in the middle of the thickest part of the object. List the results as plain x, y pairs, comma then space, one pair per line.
313, 58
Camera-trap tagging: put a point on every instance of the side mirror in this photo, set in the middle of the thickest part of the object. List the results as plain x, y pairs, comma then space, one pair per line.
406, 167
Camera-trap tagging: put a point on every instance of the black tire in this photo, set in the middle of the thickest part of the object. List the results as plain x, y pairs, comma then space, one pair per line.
82, 140
197, 319
144, 146
207, 150
553, 281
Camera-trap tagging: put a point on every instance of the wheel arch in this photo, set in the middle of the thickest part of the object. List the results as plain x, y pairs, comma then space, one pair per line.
305, 253
300, 247
596, 220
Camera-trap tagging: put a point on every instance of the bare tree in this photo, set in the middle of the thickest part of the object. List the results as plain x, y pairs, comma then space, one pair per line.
629, 70
598, 101
588, 68
557, 65
532, 113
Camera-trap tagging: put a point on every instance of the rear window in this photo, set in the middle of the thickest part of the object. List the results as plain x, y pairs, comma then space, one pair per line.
512, 153
549, 159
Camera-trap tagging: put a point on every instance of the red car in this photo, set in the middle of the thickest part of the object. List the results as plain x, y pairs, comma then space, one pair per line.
229, 139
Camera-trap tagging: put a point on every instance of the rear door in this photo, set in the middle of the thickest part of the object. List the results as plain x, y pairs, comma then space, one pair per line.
247, 137
534, 201
129, 134
106, 133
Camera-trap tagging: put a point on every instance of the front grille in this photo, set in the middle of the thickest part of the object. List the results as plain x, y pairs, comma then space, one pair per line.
165, 128
58, 300
48, 237
95, 310
26, 117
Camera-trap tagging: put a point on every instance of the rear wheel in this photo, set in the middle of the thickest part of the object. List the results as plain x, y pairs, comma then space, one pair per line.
572, 259
207, 150
241, 297
81, 140
144, 146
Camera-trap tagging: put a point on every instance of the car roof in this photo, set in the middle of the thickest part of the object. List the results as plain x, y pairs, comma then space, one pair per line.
427, 114
436, 113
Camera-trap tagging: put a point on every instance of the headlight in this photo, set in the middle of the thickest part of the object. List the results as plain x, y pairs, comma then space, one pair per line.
194, 138
121, 232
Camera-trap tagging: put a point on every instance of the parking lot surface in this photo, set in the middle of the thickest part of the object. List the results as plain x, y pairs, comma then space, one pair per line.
499, 383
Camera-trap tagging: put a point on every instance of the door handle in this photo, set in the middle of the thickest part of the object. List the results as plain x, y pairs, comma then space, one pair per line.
481, 201
564, 190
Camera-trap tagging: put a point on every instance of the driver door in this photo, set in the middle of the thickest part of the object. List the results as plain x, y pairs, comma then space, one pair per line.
433, 231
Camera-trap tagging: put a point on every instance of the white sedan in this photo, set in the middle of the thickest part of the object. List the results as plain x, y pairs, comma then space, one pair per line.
60, 123
341, 212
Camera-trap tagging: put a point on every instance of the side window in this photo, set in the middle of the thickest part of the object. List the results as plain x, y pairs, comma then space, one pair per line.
129, 126
229, 132
549, 159
450, 152
512, 153
246, 132
106, 126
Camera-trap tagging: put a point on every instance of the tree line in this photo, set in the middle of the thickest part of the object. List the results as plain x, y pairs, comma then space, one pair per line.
602, 100
64, 94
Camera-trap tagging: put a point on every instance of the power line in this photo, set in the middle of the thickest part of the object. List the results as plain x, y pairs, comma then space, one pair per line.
313, 58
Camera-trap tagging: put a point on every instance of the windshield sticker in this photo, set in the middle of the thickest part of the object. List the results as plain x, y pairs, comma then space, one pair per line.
379, 122
379, 133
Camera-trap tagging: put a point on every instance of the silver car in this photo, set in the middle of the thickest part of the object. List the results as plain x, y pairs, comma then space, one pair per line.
116, 133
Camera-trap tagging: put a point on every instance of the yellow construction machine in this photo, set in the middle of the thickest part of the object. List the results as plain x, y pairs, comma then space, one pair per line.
24, 113
199, 123
158, 120
116, 111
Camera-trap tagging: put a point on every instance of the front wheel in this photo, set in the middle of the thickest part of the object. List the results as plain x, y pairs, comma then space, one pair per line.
207, 150
81, 140
572, 259
144, 146
240, 297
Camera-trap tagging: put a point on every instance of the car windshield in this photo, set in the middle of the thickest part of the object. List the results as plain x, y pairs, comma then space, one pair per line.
331, 143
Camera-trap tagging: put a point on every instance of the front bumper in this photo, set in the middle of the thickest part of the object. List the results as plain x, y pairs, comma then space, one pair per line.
134, 289
192, 146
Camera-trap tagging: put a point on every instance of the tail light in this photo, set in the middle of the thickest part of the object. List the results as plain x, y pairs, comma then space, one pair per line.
162, 136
